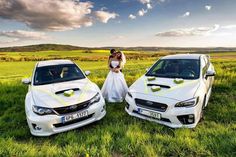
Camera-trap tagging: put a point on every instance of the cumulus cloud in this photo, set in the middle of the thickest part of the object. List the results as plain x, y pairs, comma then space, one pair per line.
48, 15
17, 35
144, 1
208, 7
200, 31
142, 12
105, 16
132, 17
186, 14
229, 27
149, 6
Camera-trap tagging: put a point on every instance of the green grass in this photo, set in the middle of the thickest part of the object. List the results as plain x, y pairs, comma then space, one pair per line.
119, 134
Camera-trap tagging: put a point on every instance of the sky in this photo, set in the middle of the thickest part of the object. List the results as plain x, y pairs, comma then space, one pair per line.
123, 23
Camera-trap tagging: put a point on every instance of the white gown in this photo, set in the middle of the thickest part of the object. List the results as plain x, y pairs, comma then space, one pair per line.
114, 88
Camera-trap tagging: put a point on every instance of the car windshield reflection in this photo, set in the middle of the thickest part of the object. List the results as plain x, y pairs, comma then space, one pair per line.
176, 68
57, 73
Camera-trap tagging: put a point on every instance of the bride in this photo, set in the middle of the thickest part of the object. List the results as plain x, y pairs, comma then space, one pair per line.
115, 88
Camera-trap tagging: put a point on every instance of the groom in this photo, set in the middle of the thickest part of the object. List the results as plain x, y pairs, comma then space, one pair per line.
112, 54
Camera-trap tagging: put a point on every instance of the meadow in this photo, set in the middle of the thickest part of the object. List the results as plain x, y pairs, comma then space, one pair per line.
117, 134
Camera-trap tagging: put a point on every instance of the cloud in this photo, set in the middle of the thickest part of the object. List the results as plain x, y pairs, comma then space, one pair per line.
117, 37
132, 17
105, 16
186, 14
17, 35
144, 1
48, 15
200, 31
208, 7
7, 41
229, 27
142, 12
149, 6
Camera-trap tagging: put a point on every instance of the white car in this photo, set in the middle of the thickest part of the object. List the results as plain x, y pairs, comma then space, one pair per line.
61, 98
174, 91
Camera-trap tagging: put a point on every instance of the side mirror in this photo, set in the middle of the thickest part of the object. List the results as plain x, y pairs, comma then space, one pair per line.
26, 81
87, 73
210, 73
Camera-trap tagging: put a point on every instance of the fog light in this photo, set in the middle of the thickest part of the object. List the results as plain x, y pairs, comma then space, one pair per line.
191, 119
186, 119
104, 108
36, 127
127, 105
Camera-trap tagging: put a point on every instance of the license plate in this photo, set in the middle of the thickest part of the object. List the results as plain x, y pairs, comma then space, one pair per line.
150, 113
71, 117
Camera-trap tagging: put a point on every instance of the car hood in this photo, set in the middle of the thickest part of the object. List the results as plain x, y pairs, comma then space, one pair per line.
180, 92
52, 95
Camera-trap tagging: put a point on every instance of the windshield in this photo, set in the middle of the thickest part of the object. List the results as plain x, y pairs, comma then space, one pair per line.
176, 68
57, 73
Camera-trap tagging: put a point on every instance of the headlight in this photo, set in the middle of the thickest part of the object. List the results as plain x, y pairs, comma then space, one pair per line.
188, 103
129, 94
42, 110
95, 99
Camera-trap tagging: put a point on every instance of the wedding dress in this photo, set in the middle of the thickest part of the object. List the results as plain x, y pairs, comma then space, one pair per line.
114, 88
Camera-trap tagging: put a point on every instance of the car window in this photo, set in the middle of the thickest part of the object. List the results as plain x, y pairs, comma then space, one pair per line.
176, 68
57, 73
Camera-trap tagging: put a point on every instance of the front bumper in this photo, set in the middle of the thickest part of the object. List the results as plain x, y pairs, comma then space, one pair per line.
168, 117
52, 124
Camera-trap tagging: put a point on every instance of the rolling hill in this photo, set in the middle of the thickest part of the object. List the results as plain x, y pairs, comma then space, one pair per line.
59, 47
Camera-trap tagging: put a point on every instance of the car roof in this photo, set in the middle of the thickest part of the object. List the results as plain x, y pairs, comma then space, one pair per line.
183, 56
53, 62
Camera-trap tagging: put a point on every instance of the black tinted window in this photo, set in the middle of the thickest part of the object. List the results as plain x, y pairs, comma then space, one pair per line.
57, 73
176, 68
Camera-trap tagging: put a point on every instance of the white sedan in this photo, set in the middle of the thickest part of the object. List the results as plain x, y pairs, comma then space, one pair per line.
174, 92
61, 98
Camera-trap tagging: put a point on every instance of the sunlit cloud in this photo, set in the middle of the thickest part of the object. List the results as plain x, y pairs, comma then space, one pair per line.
142, 12
186, 14
208, 7
229, 27
149, 6
16, 35
105, 16
48, 15
132, 17
199, 31
144, 1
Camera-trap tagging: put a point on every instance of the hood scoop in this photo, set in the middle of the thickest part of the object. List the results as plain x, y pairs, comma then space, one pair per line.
62, 91
162, 86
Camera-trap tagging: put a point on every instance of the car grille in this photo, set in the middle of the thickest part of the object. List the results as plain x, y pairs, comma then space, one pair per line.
151, 105
72, 108
73, 121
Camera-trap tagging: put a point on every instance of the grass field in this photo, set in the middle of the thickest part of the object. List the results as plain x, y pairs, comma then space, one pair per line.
119, 134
